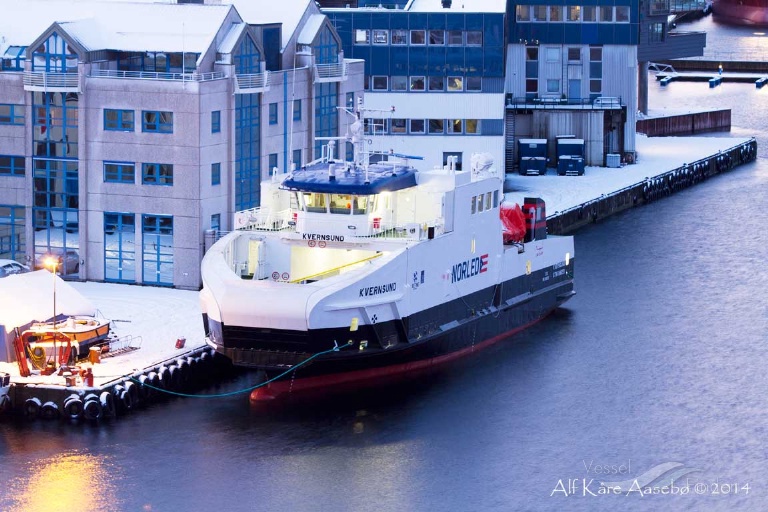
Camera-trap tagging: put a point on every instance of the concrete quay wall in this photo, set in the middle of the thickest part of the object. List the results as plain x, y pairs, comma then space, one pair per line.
651, 189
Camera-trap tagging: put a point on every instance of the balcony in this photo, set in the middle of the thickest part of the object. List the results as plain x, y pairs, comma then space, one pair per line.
337, 72
153, 75
252, 83
51, 82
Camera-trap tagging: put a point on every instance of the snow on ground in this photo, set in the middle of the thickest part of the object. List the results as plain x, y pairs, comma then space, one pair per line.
157, 317
655, 156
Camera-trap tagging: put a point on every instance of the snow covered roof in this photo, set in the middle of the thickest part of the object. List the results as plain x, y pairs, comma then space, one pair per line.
311, 27
28, 297
227, 45
287, 12
115, 25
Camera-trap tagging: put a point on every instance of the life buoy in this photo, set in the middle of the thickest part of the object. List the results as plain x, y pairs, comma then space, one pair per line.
49, 411
73, 407
107, 402
32, 407
92, 410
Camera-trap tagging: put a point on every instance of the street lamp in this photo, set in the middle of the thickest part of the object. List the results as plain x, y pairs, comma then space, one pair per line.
52, 263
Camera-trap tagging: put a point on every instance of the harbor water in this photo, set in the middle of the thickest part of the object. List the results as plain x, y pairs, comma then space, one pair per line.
657, 367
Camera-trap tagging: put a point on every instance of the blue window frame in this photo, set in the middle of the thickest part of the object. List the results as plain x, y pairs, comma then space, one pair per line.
55, 55
119, 247
11, 165
297, 110
119, 172
157, 174
54, 125
12, 232
216, 121
154, 121
247, 171
216, 222
118, 120
157, 249
216, 173
12, 114
272, 163
273, 113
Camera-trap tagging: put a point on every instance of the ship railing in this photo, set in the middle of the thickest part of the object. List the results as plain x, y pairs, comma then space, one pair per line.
263, 219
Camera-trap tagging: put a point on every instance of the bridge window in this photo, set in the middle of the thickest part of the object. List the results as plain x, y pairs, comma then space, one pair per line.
315, 202
341, 203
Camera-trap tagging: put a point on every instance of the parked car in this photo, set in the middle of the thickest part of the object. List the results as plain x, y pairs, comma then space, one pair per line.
8, 267
69, 260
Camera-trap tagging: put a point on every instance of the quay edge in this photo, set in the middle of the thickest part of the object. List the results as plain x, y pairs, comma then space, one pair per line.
185, 372
652, 189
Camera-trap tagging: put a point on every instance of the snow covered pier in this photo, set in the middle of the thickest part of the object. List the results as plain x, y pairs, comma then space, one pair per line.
665, 165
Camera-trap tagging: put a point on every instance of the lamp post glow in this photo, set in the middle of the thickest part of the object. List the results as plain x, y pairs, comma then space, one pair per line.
52, 263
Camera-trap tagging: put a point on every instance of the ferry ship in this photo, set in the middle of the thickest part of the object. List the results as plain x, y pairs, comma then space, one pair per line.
353, 271
742, 12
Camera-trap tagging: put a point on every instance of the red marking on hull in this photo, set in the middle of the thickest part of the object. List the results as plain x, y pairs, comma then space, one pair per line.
338, 381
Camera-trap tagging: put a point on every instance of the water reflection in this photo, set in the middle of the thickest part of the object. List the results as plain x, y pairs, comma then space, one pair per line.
65, 482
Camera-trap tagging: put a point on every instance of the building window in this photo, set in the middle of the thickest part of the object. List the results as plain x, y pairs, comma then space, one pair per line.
157, 174
399, 83
470, 126
523, 13
656, 32
436, 126
399, 37
272, 164
12, 232
398, 126
11, 114
216, 173
297, 158
119, 247
11, 165
574, 54
539, 13
118, 120
455, 83
531, 71
216, 121
418, 37
417, 126
556, 13
437, 37
350, 100
455, 126
458, 159
380, 37
119, 172
157, 249
380, 83
455, 37
156, 121
606, 13
297, 110
622, 14
418, 83
273, 113
216, 222
553, 54
589, 13
362, 36
474, 83
474, 38
574, 13
659, 7
436, 83
553, 85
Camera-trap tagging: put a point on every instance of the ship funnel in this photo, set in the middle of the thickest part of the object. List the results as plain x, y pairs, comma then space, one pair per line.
535, 219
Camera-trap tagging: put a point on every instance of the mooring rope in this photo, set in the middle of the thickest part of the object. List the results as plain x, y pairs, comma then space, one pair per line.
295, 367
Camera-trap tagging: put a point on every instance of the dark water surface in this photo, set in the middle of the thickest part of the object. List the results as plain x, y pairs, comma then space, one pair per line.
662, 357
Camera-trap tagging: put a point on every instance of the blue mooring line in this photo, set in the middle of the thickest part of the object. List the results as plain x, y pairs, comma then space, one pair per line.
246, 390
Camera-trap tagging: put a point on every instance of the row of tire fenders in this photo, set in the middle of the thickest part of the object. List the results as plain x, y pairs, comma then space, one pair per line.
94, 405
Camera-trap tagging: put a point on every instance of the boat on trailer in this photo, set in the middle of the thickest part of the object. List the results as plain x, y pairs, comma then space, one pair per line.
401, 268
